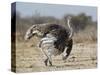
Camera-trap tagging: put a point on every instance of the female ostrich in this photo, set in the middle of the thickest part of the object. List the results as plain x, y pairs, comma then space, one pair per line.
55, 39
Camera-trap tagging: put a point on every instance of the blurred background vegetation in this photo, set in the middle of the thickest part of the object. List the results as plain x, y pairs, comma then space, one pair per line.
85, 29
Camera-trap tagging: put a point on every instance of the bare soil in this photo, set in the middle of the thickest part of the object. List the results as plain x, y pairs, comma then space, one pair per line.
29, 58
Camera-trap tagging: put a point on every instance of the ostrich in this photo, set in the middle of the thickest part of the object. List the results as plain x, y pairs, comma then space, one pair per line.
55, 39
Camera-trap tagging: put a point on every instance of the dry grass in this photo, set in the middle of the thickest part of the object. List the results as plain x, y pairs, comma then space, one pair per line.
29, 57
89, 34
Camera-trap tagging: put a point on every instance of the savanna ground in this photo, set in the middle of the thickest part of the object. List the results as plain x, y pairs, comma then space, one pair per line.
29, 57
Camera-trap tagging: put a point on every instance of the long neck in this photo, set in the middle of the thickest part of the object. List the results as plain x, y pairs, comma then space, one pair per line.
70, 28
68, 22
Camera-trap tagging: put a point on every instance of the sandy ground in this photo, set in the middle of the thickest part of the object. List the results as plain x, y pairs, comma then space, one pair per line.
30, 59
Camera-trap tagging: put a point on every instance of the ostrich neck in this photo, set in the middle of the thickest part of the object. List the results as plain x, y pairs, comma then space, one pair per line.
71, 30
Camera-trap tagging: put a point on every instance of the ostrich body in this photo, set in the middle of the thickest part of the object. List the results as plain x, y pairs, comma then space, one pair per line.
55, 39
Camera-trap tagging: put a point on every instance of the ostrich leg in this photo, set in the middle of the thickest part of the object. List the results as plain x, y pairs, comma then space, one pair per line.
68, 50
48, 60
